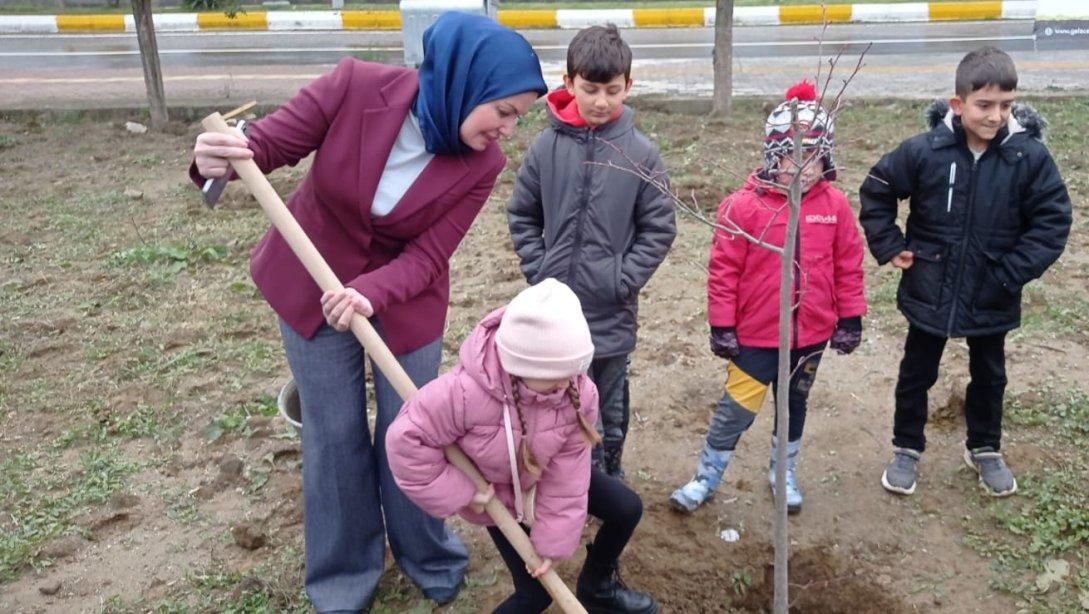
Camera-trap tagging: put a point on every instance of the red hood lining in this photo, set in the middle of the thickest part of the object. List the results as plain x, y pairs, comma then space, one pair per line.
563, 106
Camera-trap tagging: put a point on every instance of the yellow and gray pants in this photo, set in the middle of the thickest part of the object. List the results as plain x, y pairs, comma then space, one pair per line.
749, 375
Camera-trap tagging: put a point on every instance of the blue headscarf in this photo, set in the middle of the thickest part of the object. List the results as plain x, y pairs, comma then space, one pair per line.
469, 60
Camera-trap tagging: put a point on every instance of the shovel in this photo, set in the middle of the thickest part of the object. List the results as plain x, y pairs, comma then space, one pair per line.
319, 270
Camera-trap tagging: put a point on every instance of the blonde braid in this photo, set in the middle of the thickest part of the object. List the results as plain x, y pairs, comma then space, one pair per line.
528, 460
588, 430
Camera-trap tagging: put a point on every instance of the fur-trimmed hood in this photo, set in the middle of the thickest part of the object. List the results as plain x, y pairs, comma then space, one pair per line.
1023, 118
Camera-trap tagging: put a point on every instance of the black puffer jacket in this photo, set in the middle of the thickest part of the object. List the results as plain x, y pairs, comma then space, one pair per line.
980, 229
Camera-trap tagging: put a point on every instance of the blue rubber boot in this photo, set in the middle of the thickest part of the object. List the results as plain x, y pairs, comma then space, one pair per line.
793, 494
708, 475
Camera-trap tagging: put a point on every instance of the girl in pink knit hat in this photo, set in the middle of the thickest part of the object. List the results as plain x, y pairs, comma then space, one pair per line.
520, 405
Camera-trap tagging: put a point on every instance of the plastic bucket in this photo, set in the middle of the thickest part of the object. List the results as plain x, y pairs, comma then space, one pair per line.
289, 405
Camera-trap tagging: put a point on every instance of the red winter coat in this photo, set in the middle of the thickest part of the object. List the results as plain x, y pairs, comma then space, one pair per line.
743, 278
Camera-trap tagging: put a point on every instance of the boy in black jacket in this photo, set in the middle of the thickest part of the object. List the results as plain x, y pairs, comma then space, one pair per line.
988, 213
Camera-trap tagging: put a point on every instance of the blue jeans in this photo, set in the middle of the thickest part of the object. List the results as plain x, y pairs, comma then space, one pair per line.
347, 484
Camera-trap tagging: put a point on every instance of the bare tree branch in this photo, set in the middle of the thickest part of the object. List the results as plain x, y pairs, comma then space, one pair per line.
658, 181
791, 294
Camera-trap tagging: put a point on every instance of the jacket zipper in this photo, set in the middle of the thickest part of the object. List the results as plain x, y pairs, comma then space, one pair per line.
964, 244
583, 205
796, 308
952, 182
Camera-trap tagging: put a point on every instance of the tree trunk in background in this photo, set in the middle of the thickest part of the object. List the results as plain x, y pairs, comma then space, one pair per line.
149, 56
722, 102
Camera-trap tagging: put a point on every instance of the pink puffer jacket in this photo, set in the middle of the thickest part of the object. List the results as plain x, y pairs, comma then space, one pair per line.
465, 406
743, 278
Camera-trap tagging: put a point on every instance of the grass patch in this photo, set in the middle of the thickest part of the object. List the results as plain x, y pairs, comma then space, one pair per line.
181, 507
9, 357
881, 290
164, 261
105, 427
272, 586
1062, 413
156, 360
1039, 539
41, 500
149, 160
236, 421
1053, 309
1055, 516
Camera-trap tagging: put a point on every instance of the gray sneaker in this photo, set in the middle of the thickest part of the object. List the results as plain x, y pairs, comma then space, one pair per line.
899, 475
994, 476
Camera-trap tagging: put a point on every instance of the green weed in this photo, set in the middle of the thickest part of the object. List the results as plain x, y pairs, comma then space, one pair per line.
9, 357
104, 427
166, 261
1063, 413
71, 117
236, 419
40, 502
882, 294
157, 360
741, 581
1053, 513
182, 508
273, 586
149, 161
1046, 526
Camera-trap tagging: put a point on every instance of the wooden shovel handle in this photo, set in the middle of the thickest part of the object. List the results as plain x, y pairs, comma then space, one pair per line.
319, 270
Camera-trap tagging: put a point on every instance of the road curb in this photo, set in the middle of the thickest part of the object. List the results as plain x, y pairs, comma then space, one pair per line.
184, 116
534, 19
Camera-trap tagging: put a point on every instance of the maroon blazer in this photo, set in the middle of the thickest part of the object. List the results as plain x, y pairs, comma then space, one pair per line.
350, 118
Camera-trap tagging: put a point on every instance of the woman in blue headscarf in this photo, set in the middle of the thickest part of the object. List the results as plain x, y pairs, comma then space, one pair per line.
403, 162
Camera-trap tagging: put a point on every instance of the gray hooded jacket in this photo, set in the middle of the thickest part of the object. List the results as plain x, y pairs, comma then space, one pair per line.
600, 230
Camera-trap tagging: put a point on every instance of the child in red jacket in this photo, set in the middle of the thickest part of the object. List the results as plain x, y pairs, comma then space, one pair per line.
743, 291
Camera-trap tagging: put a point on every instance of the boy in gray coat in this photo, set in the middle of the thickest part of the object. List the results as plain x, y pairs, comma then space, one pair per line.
600, 230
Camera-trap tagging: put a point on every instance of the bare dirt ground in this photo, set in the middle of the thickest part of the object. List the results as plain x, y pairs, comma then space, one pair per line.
142, 468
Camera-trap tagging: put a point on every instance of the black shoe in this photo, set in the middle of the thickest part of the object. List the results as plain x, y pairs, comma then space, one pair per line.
601, 591
613, 451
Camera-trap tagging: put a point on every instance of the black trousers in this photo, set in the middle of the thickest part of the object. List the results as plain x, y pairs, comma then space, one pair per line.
982, 399
610, 375
618, 508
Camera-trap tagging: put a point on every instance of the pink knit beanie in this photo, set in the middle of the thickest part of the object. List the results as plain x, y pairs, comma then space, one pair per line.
543, 334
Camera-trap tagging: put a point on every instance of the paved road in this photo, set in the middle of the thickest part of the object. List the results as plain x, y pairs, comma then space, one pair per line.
915, 59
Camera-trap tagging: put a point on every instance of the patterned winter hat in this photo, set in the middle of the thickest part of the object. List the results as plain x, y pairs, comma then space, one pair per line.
819, 130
